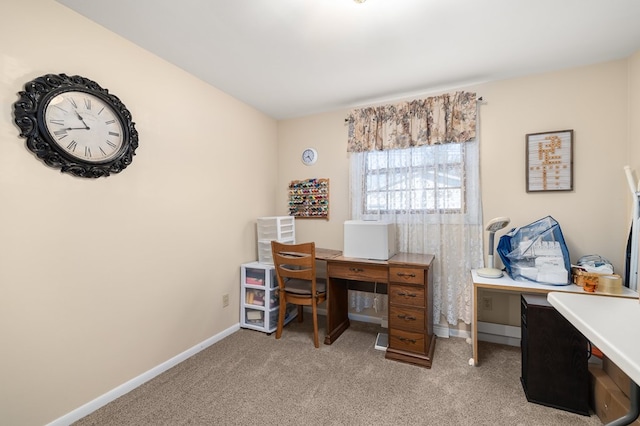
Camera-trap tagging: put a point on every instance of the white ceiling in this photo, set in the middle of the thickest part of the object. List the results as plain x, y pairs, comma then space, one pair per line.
291, 58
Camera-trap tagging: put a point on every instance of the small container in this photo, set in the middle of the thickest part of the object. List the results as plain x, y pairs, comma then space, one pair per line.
590, 282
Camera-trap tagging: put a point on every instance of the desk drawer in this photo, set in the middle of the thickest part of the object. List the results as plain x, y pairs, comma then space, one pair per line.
406, 275
358, 272
406, 295
411, 319
407, 341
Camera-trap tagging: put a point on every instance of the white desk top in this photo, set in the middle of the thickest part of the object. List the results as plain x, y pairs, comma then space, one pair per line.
507, 283
611, 323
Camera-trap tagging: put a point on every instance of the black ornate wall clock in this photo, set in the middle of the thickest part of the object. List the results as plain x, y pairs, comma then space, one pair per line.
73, 124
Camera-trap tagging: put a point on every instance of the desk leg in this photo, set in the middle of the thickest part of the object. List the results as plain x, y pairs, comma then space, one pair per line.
337, 309
474, 327
634, 409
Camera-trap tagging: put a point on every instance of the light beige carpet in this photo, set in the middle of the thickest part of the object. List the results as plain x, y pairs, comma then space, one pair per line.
250, 378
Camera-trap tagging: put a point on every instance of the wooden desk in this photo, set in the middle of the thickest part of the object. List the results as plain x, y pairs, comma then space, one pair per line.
506, 284
325, 254
609, 322
411, 336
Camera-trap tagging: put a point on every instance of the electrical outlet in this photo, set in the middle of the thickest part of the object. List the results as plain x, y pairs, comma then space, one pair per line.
487, 303
225, 300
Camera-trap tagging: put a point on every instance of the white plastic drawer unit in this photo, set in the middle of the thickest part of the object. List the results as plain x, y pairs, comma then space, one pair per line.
279, 228
274, 228
257, 297
259, 301
255, 274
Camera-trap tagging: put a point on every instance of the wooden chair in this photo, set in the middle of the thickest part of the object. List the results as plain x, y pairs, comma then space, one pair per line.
295, 266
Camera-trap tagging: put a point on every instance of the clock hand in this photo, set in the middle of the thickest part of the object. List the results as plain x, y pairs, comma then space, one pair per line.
78, 128
81, 119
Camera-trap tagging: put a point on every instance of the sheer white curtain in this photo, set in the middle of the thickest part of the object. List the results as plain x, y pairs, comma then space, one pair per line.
432, 193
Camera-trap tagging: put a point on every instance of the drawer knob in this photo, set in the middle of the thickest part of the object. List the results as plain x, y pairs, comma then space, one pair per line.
404, 339
356, 269
405, 294
406, 317
405, 274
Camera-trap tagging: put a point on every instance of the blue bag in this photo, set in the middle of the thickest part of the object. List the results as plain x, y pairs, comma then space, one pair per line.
536, 252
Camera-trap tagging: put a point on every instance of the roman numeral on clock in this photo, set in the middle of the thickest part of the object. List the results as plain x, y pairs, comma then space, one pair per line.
61, 134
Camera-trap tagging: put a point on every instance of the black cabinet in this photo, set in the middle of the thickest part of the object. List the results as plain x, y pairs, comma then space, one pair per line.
554, 357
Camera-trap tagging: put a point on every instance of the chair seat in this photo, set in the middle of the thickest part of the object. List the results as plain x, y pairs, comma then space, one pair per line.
302, 287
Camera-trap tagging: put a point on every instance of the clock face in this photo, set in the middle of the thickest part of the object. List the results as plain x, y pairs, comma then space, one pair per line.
84, 126
73, 124
309, 156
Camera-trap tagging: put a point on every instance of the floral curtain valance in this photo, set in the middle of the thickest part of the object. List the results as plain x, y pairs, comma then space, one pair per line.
437, 120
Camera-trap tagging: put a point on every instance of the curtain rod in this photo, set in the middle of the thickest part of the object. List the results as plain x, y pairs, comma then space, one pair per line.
480, 99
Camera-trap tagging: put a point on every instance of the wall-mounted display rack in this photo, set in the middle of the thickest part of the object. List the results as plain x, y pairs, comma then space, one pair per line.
309, 198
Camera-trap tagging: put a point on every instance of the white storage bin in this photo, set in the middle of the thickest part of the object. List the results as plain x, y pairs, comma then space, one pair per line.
254, 317
274, 228
259, 298
264, 252
255, 297
279, 228
254, 276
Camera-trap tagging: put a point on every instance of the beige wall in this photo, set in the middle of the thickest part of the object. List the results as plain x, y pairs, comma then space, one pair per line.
102, 280
327, 133
592, 100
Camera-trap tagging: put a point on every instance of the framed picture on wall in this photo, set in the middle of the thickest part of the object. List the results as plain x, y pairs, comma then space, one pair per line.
549, 161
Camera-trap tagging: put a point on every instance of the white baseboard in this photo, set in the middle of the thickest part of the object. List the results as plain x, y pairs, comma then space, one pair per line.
124, 388
499, 333
454, 332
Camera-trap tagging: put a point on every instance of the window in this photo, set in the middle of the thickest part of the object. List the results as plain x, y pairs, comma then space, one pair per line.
432, 194
425, 179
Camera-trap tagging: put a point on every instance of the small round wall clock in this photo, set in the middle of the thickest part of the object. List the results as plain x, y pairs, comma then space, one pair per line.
73, 124
309, 156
